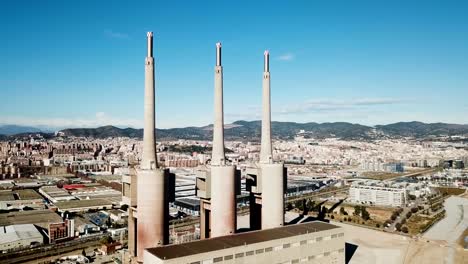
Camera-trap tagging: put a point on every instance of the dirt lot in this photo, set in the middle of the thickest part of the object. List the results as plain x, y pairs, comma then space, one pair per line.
377, 214
450, 191
376, 175
416, 222
378, 247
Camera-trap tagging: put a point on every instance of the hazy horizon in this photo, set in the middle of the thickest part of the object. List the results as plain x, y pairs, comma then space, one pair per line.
65, 64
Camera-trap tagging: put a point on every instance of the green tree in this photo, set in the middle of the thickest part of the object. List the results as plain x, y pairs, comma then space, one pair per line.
364, 213
106, 240
343, 211
398, 226
357, 210
404, 229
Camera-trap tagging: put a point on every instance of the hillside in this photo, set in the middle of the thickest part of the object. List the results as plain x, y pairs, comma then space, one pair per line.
419, 129
284, 130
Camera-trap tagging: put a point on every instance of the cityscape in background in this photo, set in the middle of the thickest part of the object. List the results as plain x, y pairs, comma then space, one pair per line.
255, 190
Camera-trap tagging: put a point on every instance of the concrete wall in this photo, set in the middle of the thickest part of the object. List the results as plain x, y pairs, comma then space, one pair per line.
318, 247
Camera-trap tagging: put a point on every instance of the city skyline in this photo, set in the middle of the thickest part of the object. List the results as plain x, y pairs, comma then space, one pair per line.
368, 64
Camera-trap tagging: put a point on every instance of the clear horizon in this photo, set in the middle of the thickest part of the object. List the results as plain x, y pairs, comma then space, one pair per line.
81, 64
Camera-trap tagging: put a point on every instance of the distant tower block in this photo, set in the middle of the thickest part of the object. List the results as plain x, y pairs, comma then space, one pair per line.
154, 185
217, 187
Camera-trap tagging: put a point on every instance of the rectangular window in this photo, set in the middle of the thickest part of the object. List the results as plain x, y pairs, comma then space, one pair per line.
286, 245
268, 249
249, 253
334, 236
259, 251
303, 242
295, 261
311, 258
318, 239
239, 255
229, 257
218, 259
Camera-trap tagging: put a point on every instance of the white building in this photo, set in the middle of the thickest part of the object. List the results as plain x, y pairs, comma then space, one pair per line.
19, 236
378, 195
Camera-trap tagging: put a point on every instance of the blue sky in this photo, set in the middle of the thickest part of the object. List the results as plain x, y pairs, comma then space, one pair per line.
81, 63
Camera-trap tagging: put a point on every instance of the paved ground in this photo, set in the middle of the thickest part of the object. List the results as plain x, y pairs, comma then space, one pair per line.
376, 247
452, 226
437, 245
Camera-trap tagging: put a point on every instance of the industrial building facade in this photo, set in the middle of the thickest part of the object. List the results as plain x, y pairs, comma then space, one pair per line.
384, 196
314, 242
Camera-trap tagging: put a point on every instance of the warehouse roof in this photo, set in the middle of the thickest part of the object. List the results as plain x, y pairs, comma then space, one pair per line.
241, 239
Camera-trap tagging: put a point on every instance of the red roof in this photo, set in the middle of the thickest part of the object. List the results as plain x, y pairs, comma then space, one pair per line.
73, 186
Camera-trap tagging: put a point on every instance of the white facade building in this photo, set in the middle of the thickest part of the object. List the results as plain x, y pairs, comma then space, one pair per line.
385, 196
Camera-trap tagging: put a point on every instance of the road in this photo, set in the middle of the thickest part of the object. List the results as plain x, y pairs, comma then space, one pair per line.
452, 226
417, 173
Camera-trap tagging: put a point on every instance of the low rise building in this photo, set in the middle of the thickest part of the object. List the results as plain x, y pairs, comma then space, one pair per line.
314, 242
19, 236
378, 195
55, 194
83, 205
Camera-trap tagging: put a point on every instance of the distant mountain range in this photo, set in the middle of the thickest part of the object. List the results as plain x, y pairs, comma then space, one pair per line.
250, 130
8, 130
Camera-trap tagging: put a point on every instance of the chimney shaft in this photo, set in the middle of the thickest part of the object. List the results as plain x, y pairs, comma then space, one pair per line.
218, 54
150, 44
266, 150
218, 157
149, 160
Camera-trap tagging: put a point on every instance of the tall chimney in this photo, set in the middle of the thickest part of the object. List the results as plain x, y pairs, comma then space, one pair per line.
149, 160
152, 182
217, 157
266, 151
222, 219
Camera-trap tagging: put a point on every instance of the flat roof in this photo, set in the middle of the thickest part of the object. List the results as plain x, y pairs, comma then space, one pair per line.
6, 196
38, 217
26, 194
82, 203
241, 239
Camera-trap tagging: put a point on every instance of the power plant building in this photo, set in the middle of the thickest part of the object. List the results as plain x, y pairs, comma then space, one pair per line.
149, 189
314, 242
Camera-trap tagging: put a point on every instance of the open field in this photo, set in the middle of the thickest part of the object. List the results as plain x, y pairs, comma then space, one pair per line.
450, 191
416, 223
377, 247
380, 175
378, 215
